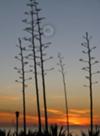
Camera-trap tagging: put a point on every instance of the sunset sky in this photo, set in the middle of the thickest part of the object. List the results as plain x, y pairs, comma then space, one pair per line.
67, 21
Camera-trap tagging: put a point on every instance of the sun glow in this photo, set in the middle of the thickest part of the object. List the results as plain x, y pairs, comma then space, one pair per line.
55, 117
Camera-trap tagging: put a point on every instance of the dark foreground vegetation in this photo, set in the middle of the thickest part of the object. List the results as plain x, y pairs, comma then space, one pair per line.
53, 131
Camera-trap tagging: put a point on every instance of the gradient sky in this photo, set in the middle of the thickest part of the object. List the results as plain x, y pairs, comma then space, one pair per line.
68, 20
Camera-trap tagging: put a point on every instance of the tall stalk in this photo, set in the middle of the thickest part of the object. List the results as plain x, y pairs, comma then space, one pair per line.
37, 47
90, 62
42, 67
31, 30
90, 84
22, 77
42, 47
65, 90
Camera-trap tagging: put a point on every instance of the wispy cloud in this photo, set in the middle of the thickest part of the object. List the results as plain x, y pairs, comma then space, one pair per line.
11, 98
55, 111
77, 111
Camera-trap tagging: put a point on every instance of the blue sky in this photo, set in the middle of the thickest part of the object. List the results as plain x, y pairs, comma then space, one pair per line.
69, 20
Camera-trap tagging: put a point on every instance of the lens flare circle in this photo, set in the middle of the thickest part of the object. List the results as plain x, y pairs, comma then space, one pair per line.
48, 30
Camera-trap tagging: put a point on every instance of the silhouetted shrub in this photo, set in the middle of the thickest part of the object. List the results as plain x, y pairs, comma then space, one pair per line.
96, 132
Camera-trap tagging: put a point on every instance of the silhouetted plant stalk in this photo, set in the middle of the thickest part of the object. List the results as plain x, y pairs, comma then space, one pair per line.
42, 47
21, 71
65, 90
90, 62
37, 47
31, 30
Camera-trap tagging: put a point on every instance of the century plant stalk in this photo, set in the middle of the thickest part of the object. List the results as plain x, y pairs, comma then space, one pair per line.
21, 71
90, 62
35, 70
38, 46
65, 90
23, 87
42, 66
90, 84
32, 32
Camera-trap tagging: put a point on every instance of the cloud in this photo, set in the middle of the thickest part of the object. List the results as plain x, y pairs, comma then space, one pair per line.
77, 111
6, 98
55, 111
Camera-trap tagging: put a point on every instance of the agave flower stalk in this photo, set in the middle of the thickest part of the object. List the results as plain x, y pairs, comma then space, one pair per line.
42, 47
22, 77
65, 90
31, 30
90, 63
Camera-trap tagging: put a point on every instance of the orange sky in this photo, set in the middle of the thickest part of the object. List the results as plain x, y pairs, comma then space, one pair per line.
76, 117
56, 114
